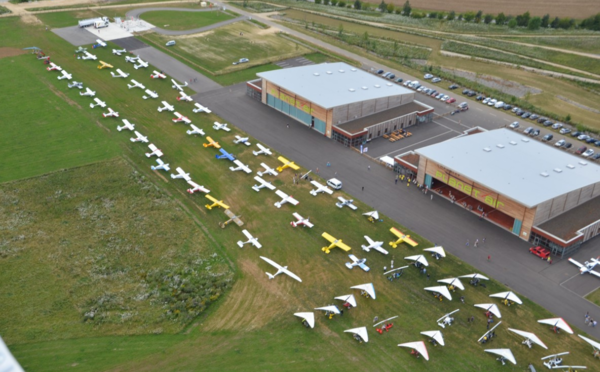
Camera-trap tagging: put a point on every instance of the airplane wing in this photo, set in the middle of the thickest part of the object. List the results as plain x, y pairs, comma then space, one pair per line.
291, 274
271, 262
410, 242
330, 238
292, 201
351, 206
364, 267
297, 216
283, 160
248, 235
369, 240
343, 246
595, 273
380, 249
209, 197
575, 262
353, 258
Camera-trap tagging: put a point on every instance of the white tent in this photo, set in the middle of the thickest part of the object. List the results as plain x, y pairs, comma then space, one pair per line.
388, 160
372, 214
453, 281
7, 360
529, 336
331, 309
438, 250
367, 288
436, 335
347, 298
418, 258
418, 346
309, 317
508, 296
474, 276
362, 332
441, 290
492, 308
595, 345
558, 323
506, 353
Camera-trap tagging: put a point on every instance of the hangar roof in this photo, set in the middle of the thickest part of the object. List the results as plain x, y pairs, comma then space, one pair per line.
521, 168
333, 84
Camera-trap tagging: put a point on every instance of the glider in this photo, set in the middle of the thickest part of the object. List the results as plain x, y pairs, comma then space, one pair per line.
194, 130
280, 270
367, 288
554, 360
418, 258
126, 125
492, 308
372, 216
268, 170
373, 245
436, 336
286, 164
8, 362
357, 262
139, 137
319, 189
301, 221
161, 165
329, 309
216, 203
348, 299
285, 199
345, 203
442, 290
251, 240
475, 276
417, 347
454, 282
335, 243
211, 143
308, 319
508, 296
262, 184
219, 126
504, 355
402, 238
557, 323
360, 334
181, 174
437, 252
530, 338
263, 150
154, 151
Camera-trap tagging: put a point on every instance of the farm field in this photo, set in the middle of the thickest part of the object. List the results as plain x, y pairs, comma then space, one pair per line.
585, 44
177, 21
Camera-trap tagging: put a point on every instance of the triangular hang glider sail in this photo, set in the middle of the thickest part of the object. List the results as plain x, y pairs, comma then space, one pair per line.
367, 288
362, 332
453, 281
508, 296
418, 346
558, 323
475, 276
436, 335
347, 298
506, 353
309, 317
492, 308
438, 250
530, 336
441, 290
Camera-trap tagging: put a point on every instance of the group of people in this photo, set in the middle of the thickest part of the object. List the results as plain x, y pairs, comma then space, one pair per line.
488, 336
395, 275
589, 321
386, 328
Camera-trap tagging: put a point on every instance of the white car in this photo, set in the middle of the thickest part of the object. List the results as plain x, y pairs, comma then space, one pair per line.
436, 80
444, 97
560, 143
427, 76
242, 60
407, 82
421, 88
492, 102
514, 125
583, 137
486, 100
334, 183
588, 153
557, 125
499, 104
170, 43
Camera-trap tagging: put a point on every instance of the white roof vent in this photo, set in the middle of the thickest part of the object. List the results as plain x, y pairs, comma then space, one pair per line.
525, 139
582, 162
389, 84
513, 143
377, 86
353, 69
500, 146
329, 72
558, 170
365, 88
570, 166
352, 89
544, 174
316, 74
487, 149
342, 71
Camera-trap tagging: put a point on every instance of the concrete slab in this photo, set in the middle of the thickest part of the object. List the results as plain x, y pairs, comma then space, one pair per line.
130, 43
111, 32
294, 62
75, 35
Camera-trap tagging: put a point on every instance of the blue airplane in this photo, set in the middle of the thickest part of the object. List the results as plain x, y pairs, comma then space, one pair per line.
225, 155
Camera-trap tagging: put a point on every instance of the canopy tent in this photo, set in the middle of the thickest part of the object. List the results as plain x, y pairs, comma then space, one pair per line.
529, 336
474, 276
505, 353
595, 345
373, 214
7, 360
453, 281
508, 296
438, 250
418, 258
441, 290
347, 298
309, 317
558, 323
492, 308
368, 287
436, 335
330, 308
388, 160
419, 346
361, 331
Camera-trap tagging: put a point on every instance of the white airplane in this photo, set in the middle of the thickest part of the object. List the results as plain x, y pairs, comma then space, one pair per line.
262, 184
119, 52
454, 282
554, 360
53, 67
181, 119
65, 75
98, 103
195, 187
131, 59
530, 338
101, 43
150, 93
284, 199
75, 84
219, 126
111, 112
319, 189
492, 308
181, 174
267, 170
88, 55
418, 258
194, 130
165, 106
447, 319
587, 266
200, 108
280, 270
88, 92
301, 221
126, 125
251, 240
263, 150
348, 203
136, 85
240, 166
503, 355
139, 138
184, 97
140, 63
179, 87
119, 74
357, 262
158, 75
373, 245
243, 140
155, 151
161, 165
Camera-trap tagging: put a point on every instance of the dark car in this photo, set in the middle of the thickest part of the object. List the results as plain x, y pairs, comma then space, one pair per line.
581, 150
542, 119
534, 116
597, 144
507, 107
596, 156
480, 97
433, 92
547, 137
526, 115
519, 112
567, 145
547, 123
391, 77
399, 80
453, 86
379, 72
576, 133
535, 133
465, 91
542, 253
591, 140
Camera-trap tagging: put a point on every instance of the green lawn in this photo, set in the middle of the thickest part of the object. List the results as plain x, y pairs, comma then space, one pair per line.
174, 20
65, 19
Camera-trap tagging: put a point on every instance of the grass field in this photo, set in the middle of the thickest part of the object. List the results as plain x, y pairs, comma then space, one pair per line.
589, 44
174, 20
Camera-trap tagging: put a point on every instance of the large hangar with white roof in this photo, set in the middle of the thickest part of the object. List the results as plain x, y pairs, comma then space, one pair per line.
340, 101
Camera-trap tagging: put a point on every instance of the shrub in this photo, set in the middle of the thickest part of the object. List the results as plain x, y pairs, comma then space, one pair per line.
451, 15
512, 23
534, 23
317, 1
500, 19
469, 16
357, 5
342, 4
432, 15
406, 9
487, 19
333, 2
390, 8
417, 15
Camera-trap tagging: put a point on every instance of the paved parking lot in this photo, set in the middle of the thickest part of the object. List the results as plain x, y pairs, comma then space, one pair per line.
294, 62
75, 35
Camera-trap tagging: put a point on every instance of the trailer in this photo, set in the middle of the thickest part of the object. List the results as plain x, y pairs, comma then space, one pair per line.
98, 22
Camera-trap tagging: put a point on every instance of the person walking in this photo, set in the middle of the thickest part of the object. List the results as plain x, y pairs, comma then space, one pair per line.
466, 245
476, 242
431, 196
489, 257
549, 260
368, 167
395, 181
363, 188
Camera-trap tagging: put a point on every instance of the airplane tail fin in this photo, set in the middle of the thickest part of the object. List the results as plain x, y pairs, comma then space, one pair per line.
271, 276
365, 248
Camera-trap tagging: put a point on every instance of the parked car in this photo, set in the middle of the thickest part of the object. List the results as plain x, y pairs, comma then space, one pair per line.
583, 137
428, 76
535, 133
596, 156
480, 97
451, 100
560, 143
565, 131
453, 86
242, 60
587, 153
471, 93
528, 130
576, 133
379, 72
463, 106
415, 85
436, 80
407, 82
391, 77
399, 80
591, 140
519, 112
486, 100
526, 115
465, 91
433, 92
557, 125
581, 150
387, 74
515, 109
547, 123
492, 102
542, 253
421, 88
440, 95
534, 116
427, 91
170, 43
547, 137
444, 97
597, 143
541, 120
568, 145
507, 107
514, 125
499, 104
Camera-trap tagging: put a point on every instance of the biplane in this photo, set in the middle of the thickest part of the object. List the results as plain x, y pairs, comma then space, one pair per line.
335, 243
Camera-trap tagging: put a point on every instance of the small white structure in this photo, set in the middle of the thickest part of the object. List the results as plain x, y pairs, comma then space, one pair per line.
418, 347
503, 355
367, 288
360, 334
308, 319
435, 335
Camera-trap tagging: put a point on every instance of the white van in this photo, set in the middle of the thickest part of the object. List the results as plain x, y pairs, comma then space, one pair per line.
170, 43
499, 104
334, 183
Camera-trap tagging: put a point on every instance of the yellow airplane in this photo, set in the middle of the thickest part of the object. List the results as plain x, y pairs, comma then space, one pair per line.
286, 164
334, 243
402, 238
216, 203
104, 65
211, 143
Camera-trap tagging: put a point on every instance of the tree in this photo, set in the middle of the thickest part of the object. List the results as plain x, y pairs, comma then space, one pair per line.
487, 19
568, 118
478, 16
591, 23
441, 15
512, 23
460, 17
342, 4
382, 6
523, 19
534, 23
566, 23
469, 16
357, 5
406, 9
545, 21
432, 15
333, 2
451, 15
390, 8
554, 23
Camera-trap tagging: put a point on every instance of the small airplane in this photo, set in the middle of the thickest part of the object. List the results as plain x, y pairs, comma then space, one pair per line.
308, 319
216, 203
240, 166
557, 323
348, 203
268, 170
554, 360
53, 67
158, 75
262, 184
126, 125
104, 65
155, 151
181, 174
118, 52
402, 238
139, 138
360, 334
435, 336
80, 50
194, 130
136, 85
65, 75
88, 92
503, 355
492, 308
165, 106
280, 270
301, 221
319, 189
587, 266
225, 155
263, 150
335, 243
119, 74
161, 165
88, 55
184, 97
98, 103
357, 262
530, 338
179, 87
150, 93
75, 84
101, 43
195, 187
251, 240
441, 290
453, 282
418, 348
180, 118
367, 290
200, 108
211, 143
111, 112
284, 199
232, 218
447, 319
131, 59
286, 164
243, 140
373, 245
219, 126
140, 63
418, 258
